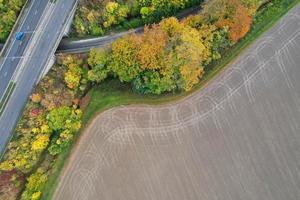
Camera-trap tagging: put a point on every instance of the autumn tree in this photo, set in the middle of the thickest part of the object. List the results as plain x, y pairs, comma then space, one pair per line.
34, 186
74, 73
36, 98
65, 121
58, 117
124, 59
151, 46
171, 26
114, 14
230, 13
98, 61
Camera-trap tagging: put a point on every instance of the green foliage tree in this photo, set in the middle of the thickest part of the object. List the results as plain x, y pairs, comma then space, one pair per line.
65, 121
34, 186
58, 117
98, 61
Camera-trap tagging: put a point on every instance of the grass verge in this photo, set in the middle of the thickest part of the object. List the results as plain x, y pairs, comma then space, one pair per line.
6, 96
111, 93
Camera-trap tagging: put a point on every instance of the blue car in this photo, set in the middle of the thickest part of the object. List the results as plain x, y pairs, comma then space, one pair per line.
19, 35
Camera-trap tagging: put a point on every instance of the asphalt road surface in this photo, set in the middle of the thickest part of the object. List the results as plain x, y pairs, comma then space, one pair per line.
24, 61
237, 139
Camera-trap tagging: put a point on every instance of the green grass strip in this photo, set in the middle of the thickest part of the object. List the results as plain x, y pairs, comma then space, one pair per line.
111, 93
6, 96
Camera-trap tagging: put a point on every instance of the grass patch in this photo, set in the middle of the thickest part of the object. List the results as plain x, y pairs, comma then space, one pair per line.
6, 96
111, 93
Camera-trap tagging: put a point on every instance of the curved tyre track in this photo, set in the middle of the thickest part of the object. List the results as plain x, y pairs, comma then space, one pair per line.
239, 138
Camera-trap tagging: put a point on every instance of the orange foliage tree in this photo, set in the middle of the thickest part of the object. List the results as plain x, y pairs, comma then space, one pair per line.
232, 14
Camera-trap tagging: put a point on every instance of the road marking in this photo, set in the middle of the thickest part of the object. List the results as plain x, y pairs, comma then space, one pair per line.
28, 32
15, 57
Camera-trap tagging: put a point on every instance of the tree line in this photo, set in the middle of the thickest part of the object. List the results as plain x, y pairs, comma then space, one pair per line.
173, 55
9, 10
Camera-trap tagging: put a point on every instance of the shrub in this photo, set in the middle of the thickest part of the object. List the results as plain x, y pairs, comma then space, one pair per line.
34, 186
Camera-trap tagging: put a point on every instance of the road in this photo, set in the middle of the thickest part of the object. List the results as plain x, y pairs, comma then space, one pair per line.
23, 62
15, 49
238, 138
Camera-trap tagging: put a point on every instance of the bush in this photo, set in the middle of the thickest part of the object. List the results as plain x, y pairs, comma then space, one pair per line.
34, 186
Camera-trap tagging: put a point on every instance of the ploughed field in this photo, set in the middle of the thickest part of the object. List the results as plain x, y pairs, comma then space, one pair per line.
239, 138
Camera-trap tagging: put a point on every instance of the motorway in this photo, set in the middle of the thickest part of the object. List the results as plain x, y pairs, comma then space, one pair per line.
15, 49
237, 139
23, 62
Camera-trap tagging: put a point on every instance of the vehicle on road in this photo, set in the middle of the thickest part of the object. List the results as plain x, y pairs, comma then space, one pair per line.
19, 35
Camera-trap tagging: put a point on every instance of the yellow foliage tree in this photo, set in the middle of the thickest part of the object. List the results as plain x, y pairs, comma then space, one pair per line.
40, 143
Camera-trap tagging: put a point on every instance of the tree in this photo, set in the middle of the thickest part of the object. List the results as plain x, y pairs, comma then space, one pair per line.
171, 26
40, 143
69, 122
34, 186
124, 61
57, 117
79, 25
74, 73
230, 13
154, 83
98, 61
114, 14
151, 46
36, 98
